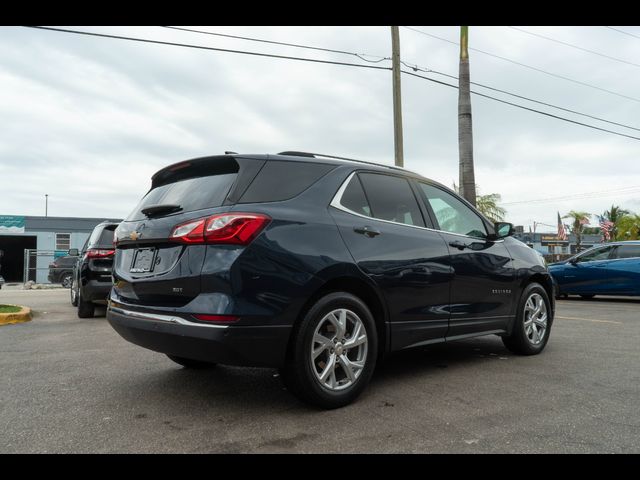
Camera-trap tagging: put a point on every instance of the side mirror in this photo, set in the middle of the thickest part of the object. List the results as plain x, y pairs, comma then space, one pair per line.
74, 252
573, 261
502, 230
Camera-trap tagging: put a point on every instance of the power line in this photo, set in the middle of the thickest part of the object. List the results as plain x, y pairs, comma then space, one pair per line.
530, 67
581, 196
322, 49
525, 108
322, 61
622, 31
186, 45
414, 67
574, 46
426, 70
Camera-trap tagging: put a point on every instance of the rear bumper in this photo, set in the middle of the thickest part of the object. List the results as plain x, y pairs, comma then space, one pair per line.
258, 346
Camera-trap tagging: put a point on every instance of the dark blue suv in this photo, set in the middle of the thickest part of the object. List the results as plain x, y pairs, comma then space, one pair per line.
317, 266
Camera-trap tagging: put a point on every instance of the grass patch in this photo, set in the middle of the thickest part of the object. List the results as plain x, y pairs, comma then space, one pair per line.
9, 309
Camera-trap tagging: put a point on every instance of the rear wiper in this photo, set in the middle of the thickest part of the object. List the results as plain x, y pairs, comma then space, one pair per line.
153, 210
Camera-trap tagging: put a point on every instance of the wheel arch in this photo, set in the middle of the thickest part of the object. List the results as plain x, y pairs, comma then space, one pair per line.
364, 291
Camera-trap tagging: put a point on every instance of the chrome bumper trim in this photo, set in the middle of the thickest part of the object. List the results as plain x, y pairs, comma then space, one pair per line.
162, 318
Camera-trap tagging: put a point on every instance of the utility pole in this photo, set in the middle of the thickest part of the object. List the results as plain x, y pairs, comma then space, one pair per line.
46, 204
397, 102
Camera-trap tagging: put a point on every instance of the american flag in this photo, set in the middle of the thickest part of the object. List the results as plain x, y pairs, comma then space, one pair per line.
606, 226
562, 233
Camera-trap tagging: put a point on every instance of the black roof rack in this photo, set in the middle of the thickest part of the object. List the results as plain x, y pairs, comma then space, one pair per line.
315, 155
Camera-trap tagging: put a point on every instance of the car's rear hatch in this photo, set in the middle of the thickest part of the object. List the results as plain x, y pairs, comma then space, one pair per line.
149, 268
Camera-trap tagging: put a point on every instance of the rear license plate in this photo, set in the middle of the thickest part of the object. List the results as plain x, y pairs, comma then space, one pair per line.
143, 260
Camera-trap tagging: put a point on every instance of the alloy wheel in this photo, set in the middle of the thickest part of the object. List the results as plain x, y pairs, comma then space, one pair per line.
339, 349
535, 318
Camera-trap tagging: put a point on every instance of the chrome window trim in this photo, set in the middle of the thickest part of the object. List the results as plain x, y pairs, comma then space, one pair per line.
162, 318
338, 197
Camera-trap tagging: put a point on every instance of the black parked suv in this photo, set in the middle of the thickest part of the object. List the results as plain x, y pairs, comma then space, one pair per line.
61, 270
317, 266
92, 272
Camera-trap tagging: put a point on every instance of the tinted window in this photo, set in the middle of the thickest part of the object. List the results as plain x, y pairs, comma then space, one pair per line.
354, 198
191, 194
101, 237
283, 180
391, 198
627, 251
596, 254
453, 215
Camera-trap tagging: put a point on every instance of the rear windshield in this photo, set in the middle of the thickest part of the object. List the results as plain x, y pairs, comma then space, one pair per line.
191, 194
101, 237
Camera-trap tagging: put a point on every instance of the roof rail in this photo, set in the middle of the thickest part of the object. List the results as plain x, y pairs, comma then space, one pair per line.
315, 155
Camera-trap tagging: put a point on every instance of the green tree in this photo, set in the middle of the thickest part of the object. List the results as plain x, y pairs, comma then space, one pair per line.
465, 133
615, 214
580, 219
628, 227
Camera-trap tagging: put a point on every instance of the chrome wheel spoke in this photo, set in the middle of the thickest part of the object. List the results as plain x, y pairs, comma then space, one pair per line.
325, 343
329, 369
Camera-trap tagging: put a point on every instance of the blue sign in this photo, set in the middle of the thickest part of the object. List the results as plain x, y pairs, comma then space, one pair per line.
11, 224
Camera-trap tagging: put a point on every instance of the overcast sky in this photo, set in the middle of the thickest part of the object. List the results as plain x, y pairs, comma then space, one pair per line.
88, 120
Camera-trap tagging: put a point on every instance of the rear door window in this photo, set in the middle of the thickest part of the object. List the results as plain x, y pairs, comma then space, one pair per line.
279, 180
391, 198
627, 251
354, 198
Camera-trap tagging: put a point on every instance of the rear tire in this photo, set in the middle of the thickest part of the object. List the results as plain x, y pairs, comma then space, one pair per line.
66, 280
532, 325
341, 331
189, 363
85, 309
73, 291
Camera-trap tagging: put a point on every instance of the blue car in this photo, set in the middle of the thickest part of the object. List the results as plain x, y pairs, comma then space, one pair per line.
609, 269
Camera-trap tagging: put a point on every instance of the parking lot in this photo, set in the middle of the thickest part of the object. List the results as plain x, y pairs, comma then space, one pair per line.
73, 385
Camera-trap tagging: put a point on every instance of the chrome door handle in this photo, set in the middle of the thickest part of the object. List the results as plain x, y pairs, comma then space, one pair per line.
368, 231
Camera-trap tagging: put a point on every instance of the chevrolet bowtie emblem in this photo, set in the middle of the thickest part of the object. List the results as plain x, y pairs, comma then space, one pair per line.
134, 235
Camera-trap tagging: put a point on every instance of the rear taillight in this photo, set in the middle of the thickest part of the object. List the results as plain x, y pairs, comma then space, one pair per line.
98, 253
225, 228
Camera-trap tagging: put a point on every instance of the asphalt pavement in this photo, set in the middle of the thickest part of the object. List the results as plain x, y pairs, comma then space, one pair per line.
74, 385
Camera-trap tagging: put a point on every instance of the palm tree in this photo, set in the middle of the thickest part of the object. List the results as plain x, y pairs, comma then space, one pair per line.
465, 134
614, 215
487, 204
579, 220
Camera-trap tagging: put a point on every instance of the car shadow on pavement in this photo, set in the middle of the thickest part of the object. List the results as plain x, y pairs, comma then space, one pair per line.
602, 299
438, 357
227, 388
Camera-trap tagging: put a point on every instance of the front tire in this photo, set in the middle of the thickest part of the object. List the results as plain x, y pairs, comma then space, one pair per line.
333, 352
532, 325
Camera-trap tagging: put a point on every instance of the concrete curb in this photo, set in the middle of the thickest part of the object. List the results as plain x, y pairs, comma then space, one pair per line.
24, 315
